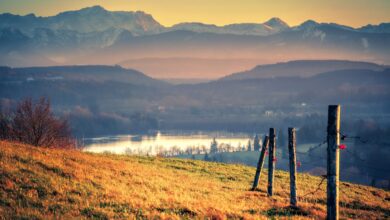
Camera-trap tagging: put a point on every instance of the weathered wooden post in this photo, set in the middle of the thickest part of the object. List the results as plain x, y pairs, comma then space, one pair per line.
271, 160
293, 168
333, 158
260, 163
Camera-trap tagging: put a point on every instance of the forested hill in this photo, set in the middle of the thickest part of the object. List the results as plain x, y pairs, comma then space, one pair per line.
83, 73
303, 68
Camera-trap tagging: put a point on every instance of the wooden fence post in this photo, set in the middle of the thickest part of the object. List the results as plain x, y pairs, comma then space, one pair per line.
271, 160
293, 168
260, 163
333, 158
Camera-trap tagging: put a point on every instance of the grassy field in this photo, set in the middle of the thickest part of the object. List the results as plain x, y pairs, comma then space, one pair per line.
39, 183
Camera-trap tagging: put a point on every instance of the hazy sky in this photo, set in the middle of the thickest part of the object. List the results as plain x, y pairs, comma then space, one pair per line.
167, 12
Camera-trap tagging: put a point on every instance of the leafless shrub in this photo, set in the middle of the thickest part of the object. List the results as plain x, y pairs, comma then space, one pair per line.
34, 123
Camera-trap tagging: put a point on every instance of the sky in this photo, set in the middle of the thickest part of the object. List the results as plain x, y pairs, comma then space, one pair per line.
354, 13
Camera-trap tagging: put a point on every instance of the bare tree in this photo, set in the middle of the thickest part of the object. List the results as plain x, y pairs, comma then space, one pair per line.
34, 123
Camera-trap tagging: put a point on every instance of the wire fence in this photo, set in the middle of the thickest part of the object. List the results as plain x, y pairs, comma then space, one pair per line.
352, 153
320, 161
363, 140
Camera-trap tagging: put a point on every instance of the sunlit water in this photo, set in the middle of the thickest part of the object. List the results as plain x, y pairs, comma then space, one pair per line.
151, 144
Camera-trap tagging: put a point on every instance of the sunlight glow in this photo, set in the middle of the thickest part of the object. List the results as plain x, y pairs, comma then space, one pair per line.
168, 12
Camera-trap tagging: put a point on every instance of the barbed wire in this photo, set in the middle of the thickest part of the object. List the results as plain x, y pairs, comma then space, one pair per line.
318, 187
324, 177
323, 158
318, 145
352, 153
363, 140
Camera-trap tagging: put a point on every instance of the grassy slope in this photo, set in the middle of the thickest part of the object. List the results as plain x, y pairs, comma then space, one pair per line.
48, 183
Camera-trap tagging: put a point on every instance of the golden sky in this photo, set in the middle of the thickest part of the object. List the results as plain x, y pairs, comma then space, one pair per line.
168, 12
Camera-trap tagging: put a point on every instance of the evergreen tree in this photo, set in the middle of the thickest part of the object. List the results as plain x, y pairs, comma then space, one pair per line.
214, 147
249, 146
256, 143
206, 157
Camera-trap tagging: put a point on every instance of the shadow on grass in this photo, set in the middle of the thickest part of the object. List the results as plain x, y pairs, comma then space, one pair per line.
257, 189
285, 211
184, 212
361, 206
94, 214
55, 170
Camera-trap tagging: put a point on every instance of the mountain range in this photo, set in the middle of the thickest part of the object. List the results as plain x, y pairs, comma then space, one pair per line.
96, 36
96, 19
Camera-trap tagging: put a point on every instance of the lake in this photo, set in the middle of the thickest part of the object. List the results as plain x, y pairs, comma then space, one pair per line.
152, 144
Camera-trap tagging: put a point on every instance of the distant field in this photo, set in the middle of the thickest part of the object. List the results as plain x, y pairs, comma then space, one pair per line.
38, 183
242, 157
249, 158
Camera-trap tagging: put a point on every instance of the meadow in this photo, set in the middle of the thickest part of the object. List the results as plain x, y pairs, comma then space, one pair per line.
41, 183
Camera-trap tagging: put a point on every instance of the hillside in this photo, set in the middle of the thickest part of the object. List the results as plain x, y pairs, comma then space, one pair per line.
302, 68
81, 73
47, 183
102, 88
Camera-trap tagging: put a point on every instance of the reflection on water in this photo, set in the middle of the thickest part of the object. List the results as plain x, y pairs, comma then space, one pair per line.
152, 144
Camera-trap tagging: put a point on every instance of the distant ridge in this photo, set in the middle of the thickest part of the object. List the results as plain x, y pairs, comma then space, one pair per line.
272, 26
91, 73
302, 68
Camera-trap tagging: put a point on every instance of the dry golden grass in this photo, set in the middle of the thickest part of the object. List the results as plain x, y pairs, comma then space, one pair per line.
48, 183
